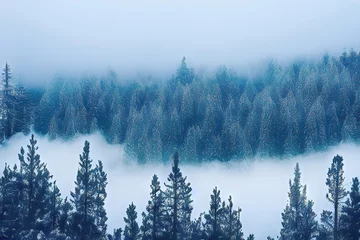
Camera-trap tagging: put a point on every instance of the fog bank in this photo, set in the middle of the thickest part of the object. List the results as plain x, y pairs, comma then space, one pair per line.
259, 187
41, 37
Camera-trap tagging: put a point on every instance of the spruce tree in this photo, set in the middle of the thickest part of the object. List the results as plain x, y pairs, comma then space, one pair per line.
213, 220
153, 220
350, 216
131, 231
336, 191
178, 203
84, 198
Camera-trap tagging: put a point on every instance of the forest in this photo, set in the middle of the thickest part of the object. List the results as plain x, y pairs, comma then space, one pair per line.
283, 111
32, 207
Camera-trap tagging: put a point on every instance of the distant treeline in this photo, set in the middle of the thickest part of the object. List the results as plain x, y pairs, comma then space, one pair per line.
31, 207
285, 111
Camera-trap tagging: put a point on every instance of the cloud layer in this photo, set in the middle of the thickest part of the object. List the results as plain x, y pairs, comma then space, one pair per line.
259, 186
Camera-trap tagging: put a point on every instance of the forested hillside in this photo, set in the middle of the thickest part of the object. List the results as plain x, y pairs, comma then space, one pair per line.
32, 207
284, 111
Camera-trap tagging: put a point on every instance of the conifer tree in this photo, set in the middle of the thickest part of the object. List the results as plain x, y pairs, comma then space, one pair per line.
100, 212
153, 220
197, 230
336, 191
178, 203
232, 223
84, 198
131, 231
298, 218
350, 216
8, 103
213, 220
251, 237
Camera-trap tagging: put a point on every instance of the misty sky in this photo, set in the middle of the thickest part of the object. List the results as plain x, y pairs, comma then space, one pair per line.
41, 37
259, 187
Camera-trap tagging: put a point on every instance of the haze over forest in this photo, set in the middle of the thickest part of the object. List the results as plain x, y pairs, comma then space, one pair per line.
241, 90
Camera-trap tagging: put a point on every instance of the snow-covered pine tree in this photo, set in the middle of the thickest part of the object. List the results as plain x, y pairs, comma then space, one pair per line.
132, 230
153, 219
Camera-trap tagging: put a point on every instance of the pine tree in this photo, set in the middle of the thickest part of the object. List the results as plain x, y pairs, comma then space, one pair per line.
178, 203
350, 216
197, 230
336, 192
251, 237
132, 231
153, 220
37, 188
84, 198
232, 223
8, 103
116, 235
213, 220
298, 218
100, 212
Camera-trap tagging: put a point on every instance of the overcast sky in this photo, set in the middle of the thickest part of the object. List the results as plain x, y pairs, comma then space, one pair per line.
45, 36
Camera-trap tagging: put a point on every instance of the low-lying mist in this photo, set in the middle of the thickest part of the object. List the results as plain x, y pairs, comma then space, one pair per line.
258, 186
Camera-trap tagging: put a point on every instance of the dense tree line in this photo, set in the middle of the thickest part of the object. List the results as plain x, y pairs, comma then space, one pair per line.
285, 111
31, 207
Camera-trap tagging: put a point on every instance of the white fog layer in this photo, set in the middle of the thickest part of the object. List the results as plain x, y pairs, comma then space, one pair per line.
259, 187
42, 37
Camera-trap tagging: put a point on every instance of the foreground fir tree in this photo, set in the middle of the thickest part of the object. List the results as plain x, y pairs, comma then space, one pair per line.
84, 199
336, 193
350, 216
37, 204
132, 231
178, 203
214, 219
232, 222
251, 237
100, 212
298, 218
153, 219
116, 235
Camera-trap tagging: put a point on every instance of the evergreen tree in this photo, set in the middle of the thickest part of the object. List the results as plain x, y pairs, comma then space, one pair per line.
37, 190
100, 212
84, 198
153, 220
350, 216
336, 191
178, 203
213, 220
7, 104
298, 218
232, 223
251, 237
197, 230
132, 231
